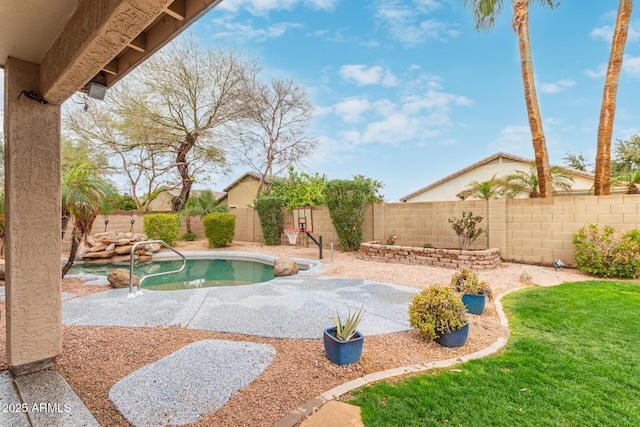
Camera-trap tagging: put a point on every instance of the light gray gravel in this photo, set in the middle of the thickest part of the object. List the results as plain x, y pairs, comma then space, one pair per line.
189, 383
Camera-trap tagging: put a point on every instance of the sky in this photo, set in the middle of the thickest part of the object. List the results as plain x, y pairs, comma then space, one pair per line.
407, 91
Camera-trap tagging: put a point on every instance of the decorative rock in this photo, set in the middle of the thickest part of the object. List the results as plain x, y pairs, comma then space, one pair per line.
98, 248
98, 255
540, 277
119, 278
284, 267
123, 250
110, 248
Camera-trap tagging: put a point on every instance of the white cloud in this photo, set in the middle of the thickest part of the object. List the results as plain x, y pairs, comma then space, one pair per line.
415, 117
605, 33
631, 65
246, 30
557, 86
407, 23
362, 76
350, 110
600, 71
514, 140
263, 7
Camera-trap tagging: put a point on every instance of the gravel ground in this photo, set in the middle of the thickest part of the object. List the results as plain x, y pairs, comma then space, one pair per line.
95, 358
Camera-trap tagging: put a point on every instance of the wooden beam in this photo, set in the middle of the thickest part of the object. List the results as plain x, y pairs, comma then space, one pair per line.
139, 43
94, 35
111, 67
165, 30
176, 10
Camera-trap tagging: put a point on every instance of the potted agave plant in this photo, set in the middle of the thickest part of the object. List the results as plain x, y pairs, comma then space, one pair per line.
474, 292
438, 313
343, 343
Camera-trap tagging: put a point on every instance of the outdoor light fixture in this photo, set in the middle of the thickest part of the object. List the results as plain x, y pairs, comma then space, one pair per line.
32, 94
97, 91
106, 222
131, 229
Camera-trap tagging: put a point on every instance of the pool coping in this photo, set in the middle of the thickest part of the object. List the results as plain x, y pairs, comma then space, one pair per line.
314, 266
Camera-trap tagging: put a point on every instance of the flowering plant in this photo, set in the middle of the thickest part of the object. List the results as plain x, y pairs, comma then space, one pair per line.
391, 240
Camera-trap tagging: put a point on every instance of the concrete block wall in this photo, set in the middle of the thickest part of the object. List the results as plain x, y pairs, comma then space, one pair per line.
536, 231
447, 258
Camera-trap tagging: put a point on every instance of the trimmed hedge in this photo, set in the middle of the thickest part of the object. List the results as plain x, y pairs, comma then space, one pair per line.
219, 228
346, 201
607, 253
271, 218
163, 227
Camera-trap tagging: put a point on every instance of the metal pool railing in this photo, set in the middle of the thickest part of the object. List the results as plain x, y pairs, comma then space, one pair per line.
132, 261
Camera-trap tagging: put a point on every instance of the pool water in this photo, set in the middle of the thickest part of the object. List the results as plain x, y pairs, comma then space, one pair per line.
199, 273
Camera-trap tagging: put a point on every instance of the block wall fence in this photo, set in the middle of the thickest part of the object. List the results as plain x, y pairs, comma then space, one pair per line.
537, 231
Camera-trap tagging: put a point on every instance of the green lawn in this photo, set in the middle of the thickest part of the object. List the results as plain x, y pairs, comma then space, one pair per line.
573, 359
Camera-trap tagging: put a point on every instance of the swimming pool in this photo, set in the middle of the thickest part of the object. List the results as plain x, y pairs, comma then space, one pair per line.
199, 273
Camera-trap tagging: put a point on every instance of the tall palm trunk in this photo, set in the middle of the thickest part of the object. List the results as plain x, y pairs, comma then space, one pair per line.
81, 228
521, 27
602, 184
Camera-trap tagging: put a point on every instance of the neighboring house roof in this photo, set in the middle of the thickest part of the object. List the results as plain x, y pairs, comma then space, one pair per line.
241, 178
482, 162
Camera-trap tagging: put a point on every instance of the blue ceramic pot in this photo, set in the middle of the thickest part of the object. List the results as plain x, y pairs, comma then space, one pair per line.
475, 303
455, 338
343, 352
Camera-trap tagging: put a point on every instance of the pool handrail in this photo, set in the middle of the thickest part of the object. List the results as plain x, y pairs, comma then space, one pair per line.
132, 262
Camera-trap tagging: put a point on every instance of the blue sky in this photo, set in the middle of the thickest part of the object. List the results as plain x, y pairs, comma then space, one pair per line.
407, 92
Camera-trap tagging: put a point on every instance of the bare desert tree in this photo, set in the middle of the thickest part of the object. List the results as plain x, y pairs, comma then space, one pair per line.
273, 132
191, 95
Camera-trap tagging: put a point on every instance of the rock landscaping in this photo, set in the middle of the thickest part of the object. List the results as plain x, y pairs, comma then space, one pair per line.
447, 258
116, 247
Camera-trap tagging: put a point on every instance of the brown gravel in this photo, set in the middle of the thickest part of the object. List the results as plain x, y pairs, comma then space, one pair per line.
95, 358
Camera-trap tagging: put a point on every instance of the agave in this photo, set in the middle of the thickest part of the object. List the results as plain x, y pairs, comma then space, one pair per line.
345, 331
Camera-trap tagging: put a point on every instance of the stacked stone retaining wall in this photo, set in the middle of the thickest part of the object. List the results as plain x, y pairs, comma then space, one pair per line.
447, 258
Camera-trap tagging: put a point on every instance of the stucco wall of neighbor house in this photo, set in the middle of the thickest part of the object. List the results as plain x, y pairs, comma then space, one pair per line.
447, 190
537, 231
32, 185
243, 193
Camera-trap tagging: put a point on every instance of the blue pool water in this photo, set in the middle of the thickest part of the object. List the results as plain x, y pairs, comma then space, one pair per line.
199, 273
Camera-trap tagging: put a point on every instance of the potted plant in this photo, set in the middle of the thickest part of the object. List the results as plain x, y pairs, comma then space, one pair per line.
438, 313
343, 343
474, 292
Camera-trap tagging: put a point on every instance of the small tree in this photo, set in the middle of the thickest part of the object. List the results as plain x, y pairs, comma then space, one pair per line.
300, 189
346, 201
271, 217
465, 228
200, 205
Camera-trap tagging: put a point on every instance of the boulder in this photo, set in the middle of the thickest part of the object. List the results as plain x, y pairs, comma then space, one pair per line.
284, 267
119, 278
123, 250
110, 248
97, 255
539, 276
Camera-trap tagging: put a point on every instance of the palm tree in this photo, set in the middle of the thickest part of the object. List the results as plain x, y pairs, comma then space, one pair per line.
200, 206
527, 182
484, 14
602, 184
484, 190
84, 194
630, 179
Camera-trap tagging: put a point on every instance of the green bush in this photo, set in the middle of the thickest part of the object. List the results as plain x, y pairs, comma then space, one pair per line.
271, 217
219, 228
606, 253
189, 237
437, 310
346, 201
163, 227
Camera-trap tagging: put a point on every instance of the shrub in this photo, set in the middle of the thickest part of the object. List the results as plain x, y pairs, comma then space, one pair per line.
606, 253
436, 311
346, 201
219, 228
465, 228
189, 237
163, 227
467, 282
271, 217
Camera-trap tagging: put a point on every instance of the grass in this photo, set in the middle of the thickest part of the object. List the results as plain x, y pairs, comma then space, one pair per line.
573, 359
